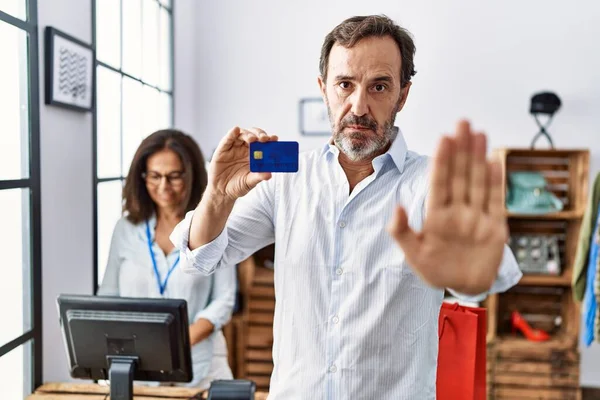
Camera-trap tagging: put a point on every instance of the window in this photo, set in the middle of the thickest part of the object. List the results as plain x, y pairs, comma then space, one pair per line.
134, 97
20, 286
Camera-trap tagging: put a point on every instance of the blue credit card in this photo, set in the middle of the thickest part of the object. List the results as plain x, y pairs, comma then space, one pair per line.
274, 157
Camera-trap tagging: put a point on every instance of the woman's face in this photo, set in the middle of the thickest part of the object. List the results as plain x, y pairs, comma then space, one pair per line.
164, 179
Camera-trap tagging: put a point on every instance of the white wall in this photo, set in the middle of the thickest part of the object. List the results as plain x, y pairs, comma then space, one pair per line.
253, 60
184, 99
66, 177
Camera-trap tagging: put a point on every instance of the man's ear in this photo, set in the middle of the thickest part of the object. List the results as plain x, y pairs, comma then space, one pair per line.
322, 87
403, 95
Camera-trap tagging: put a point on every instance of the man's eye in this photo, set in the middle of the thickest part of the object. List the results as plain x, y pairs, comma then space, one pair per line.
379, 88
345, 85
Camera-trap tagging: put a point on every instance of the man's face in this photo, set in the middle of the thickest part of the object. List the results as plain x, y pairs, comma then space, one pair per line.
363, 95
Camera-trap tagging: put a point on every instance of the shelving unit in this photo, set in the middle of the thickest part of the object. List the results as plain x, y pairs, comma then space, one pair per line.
249, 335
522, 369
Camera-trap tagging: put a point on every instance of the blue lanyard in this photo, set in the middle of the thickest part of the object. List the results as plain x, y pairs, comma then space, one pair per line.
163, 285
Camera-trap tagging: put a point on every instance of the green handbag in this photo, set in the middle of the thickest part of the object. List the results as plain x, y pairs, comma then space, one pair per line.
527, 194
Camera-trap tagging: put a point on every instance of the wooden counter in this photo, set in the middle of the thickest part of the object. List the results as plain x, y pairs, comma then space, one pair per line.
85, 391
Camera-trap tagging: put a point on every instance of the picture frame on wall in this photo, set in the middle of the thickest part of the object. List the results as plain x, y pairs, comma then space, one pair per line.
313, 117
69, 71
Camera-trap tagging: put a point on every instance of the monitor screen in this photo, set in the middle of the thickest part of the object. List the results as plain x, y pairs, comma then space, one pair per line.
150, 334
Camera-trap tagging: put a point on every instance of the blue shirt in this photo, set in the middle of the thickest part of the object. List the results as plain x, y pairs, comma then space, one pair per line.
352, 319
129, 273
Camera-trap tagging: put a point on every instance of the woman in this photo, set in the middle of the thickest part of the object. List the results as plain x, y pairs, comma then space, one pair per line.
166, 179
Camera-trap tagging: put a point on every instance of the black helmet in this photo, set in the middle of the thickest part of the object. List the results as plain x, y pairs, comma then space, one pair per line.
544, 103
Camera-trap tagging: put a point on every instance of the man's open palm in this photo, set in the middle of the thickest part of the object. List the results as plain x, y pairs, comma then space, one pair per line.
464, 232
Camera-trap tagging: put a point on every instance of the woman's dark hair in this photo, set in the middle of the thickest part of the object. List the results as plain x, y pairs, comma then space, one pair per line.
138, 205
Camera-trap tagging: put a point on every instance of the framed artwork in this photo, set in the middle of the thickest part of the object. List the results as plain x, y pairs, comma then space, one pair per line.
313, 117
69, 71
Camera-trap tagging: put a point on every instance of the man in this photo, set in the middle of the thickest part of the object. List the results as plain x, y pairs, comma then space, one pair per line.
357, 304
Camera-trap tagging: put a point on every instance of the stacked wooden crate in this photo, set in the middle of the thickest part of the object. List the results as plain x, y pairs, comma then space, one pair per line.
250, 333
522, 369
547, 370
259, 338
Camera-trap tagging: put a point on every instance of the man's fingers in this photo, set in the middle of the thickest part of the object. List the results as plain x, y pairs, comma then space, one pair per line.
461, 163
408, 239
442, 163
228, 141
256, 135
478, 172
495, 204
261, 134
248, 136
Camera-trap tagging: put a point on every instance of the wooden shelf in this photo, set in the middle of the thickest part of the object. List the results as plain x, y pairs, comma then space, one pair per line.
518, 342
567, 214
546, 280
517, 367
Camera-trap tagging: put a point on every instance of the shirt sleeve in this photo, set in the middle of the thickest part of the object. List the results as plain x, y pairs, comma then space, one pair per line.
249, 228
222, 298
110, 280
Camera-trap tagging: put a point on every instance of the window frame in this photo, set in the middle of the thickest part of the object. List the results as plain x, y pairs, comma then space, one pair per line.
96, 180
34, 335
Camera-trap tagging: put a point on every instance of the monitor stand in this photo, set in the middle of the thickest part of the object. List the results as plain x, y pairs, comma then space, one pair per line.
120, 376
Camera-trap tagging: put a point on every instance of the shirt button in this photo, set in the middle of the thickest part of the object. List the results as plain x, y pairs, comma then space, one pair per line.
333, 369
342, 224
335, 319
339, 271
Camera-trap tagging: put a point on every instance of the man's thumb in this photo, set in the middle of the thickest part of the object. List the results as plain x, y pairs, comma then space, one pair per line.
406, 238
254, 178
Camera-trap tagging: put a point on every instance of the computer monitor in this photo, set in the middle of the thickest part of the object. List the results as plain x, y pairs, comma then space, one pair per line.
124, 339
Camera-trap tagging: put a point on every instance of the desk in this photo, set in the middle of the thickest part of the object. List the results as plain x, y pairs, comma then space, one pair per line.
85, 391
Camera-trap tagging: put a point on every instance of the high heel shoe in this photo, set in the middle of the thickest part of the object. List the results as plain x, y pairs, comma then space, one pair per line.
518, 323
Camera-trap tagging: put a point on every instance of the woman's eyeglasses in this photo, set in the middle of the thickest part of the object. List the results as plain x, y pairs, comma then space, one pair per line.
174, 179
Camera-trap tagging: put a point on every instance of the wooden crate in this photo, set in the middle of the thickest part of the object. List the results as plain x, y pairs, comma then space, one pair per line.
567, 173
517, 368
525, 370
254, 332
249, 335
543, 307
234, 330
567, 232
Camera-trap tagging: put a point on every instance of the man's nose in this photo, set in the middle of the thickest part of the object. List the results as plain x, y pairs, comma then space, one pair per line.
360, 104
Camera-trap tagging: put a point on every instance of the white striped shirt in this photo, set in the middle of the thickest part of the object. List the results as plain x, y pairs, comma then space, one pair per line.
352, 320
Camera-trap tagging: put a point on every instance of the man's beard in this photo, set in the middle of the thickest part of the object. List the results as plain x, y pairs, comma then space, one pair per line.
358, 145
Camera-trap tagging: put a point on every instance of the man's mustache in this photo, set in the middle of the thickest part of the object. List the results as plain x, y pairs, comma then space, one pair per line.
363, 121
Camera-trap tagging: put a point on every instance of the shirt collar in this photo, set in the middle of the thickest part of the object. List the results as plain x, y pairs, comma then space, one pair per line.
397, 151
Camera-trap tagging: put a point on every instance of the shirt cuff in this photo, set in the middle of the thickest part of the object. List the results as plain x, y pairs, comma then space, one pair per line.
503, 283
210, 316
205, 258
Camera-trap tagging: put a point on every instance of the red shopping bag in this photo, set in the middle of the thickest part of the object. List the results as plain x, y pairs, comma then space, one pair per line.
461, 369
